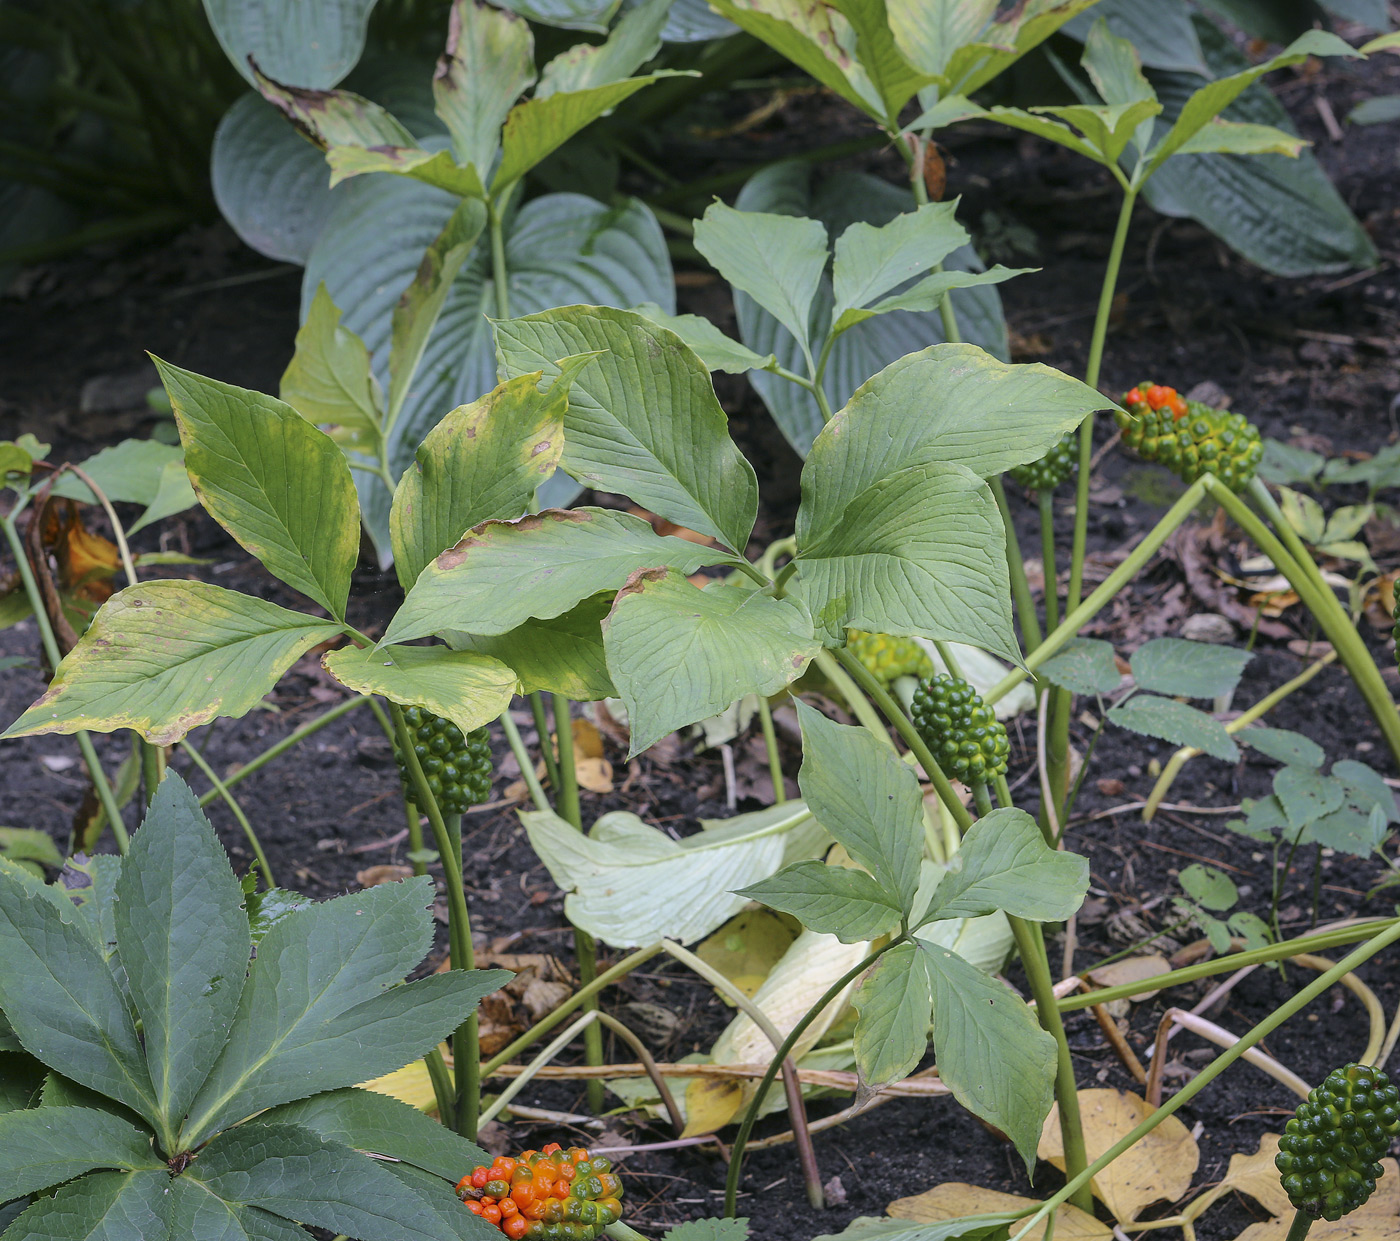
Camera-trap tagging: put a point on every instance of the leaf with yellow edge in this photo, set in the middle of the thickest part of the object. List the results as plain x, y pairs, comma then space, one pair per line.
747, 947
955, 1199
1378, 1219
1157, 1168
410, 1084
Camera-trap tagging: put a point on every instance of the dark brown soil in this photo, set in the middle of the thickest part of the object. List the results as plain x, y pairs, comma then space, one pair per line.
1316, 359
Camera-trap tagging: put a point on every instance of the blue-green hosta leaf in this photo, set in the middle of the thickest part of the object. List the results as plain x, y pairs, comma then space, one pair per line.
991, 1051
1083, 666
185, 987
380, 1125
272, 480
919, 552
311, 45
630, 884
63, 1002
1175, 722
643, 418
1161, 31
560, 248
1190, 669
462, 686
591, 16
43, 1146
830, 900
693, 21
839, 201
102, 1206
866, 798
893, 1024
679, 654
1004, 863
165, 657
505, 572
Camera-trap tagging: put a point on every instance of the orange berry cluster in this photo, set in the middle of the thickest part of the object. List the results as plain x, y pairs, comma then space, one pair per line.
547, 1195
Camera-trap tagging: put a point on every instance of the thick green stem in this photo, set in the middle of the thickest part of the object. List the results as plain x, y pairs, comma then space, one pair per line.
854, 699
221, 790
1298, 1229
1111, 585
1322, 603
1301, 1000
1046, 501
441, 1080
551, 765
905, 727
950, 661
500, 276
466, 1048
770, 742
1020, 587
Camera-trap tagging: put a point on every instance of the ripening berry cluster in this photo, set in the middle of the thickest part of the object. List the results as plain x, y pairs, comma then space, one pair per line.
457, 767
962, 732
1189, 438
1052, 469
1328, 1154
888, 658
545, 1195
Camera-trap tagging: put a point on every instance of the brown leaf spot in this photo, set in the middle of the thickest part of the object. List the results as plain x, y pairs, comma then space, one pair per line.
542, 446
637, 580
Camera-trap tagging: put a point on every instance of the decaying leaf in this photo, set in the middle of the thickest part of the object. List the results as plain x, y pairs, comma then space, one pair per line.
1254, 1175
1377, 1220
747, 947
956, 1198
371, 876
1159, 1167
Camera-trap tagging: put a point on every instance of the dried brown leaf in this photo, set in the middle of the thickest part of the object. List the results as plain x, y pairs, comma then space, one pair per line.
956, 1198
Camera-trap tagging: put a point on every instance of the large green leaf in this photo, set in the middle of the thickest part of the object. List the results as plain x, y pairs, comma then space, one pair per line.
895, 79
1175, 722
292, 1172
139, 472
633, 41
328, 380
63, 1001
893, 1025
1004, 863
631, 884
199, 1214
483, 461
381, 1125
679, 654
587, 15
716, 350
830, 900
185, 988
43, 1146
778, 260
643, 418
560, 248
992, 1054
165, 657
920, 552
837, 202
304, 44
103, 1206
930, 31
1161, 30
272, 480
866, 798
462, 686
313, 967
1190, 669
505, 572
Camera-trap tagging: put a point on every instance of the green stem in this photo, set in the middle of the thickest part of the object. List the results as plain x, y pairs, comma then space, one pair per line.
413, 818
1302, 1221
221, 789
499, 275
1108, 588
1046, 500
551, 766
1318, 987
441, 1079
152, 770
1322, 603
741, 1140
950, 661
904, 726
466, 1047
854, 699
1020, 587
522, 757
770, 741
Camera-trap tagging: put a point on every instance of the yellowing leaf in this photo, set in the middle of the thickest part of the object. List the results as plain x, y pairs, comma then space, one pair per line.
1377, 1220
594, 774
710, 1104
409, 1084
1131, 969
1254, 1175
956, 1198
746, 948
1159, 1167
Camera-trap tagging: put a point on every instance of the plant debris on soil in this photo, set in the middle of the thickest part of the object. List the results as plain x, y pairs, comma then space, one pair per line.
1314, 362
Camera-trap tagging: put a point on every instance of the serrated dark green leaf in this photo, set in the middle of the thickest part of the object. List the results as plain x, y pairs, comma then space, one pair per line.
1175, 722
198, 1214
102, 1206
1306, 795
91, 884
831, 900
1083, 666
21, 1077
44, 1146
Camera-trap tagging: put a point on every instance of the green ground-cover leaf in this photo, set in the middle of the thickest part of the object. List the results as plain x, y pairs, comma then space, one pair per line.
1175, 722
1190, 669
43, 1146
1083, 666
1284, 746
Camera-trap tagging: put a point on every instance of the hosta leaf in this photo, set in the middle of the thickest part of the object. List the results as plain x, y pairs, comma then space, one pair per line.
185, 986
1004, 863
482, 461
679, 654
308, 45
42, 1146
165, 657
866, 798
1191, 669
505, 572
272, 480
1175, 722
830, 900
892, 1029
379, 1125
921, 552
588, 15
466, 688
643, 418
102, 1206
1161, 29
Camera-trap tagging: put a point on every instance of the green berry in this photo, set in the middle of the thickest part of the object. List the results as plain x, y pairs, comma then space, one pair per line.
457, 768
887, 658
963, 733
1329, 1153
1053, 468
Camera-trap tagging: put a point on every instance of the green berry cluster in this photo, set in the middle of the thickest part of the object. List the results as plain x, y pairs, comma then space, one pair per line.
1328, 1154
1052, 469
887, 658
963, 733
458, 767
1190, 438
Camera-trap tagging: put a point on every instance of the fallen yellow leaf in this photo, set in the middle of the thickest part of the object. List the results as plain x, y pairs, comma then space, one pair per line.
956, 1198
594, 774
410, 1084
1254, 1175
1377, 1220
746, 948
